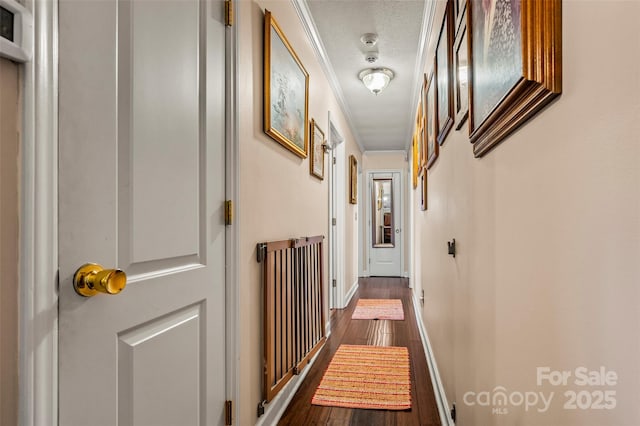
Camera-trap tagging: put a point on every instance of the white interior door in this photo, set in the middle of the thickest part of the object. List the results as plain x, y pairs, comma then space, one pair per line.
142, 188
336, 216
385, 224
333, 233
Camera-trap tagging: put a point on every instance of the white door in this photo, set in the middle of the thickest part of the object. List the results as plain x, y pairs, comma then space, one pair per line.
337, 200
385, 220
334, 232
142, 188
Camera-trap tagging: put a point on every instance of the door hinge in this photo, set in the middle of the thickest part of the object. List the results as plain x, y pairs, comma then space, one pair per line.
334, 160
228, 212
333, 221
334, 283
228, 410
228, 13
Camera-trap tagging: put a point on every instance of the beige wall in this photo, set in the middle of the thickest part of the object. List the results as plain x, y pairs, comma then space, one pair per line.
9, 145
548, 232
279, 199
392, 160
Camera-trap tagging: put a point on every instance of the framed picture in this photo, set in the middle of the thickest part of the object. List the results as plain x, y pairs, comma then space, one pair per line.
353, 180
431, 127
423, 135
415, 160
286, 91
460, 6
423, 191
444, 78
316, 160
516, 65
461, 75
423, 121
419, 133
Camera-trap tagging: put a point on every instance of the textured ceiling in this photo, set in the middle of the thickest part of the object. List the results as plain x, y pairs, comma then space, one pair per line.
381, 122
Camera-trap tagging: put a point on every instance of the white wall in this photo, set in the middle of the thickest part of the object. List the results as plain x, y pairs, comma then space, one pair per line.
279, 199
548, 233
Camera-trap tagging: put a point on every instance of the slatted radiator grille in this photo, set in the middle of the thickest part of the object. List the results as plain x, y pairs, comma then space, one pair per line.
293, 308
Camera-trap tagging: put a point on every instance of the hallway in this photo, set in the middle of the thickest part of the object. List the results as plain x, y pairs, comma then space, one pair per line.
344, 330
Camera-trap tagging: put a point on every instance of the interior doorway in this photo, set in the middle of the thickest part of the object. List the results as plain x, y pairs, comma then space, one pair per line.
384, 220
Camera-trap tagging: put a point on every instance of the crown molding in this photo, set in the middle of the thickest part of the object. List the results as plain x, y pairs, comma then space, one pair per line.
421, 60
302, 9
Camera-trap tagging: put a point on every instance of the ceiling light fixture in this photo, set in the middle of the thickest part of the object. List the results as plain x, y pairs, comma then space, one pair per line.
376, 79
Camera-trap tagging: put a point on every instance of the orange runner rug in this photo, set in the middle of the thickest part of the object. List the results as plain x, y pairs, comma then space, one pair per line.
373, 377
379, 309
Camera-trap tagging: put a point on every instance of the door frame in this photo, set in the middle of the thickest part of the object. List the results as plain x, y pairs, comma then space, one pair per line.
337, 207
363, 266
38, 264
367, 200
232, 234
38, 344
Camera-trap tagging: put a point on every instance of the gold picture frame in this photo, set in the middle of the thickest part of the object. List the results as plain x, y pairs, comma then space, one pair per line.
423, 190
286, 91
461, 73
418, 132
353, 180
316, 151
520, 75
415, 158
444, 75
431, 124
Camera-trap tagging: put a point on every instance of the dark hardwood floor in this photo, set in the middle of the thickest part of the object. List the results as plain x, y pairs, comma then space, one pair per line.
424, 410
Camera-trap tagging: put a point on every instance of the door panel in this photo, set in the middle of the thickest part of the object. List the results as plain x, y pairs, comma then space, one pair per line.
161, 114
141, 188
166, 350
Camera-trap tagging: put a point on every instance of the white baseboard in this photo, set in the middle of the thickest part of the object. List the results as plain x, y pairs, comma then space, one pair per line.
327, 327
350, 294
275, 409
436, 382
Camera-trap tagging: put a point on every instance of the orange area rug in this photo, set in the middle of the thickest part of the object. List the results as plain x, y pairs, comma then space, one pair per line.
373, 377
379, 309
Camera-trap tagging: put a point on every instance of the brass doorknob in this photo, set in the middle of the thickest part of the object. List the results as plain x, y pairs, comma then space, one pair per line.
91, 279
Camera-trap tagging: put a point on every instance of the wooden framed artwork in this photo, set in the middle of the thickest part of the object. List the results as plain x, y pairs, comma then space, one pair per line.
316, 158
353, 180
516, 65
419, 132
431, 125
459, 7
423, 122
415, 160
423, 191
461, 74
444, 77
286, 91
